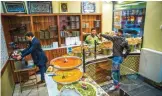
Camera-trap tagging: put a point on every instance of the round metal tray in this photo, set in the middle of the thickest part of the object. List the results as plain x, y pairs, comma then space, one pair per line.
75, 88
65, 68
70, 82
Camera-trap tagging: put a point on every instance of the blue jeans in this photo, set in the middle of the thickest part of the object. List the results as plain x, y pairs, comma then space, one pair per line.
42, 71
116, 61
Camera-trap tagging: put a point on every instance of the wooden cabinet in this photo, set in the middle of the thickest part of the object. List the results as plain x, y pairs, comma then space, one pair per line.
46, 29
54, 53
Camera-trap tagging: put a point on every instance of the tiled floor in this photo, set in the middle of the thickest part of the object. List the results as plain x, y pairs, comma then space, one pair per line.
134, 85
106, 85
31, 90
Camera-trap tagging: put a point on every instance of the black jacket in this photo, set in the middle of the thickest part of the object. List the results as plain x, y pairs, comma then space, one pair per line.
119, 44
36, 52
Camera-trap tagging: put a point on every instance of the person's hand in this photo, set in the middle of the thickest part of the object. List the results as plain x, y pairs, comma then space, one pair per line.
125, 56
19, 57
99, 35
84, 33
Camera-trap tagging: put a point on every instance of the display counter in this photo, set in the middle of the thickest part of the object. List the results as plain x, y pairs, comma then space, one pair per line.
101, 57
60, 51
53, 87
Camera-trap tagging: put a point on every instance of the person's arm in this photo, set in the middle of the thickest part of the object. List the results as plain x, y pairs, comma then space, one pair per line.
87, 40
23, 51
127, 49
28, 51
112, 38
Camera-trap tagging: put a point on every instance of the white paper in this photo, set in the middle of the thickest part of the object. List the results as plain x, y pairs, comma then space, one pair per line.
67, 41
55, 44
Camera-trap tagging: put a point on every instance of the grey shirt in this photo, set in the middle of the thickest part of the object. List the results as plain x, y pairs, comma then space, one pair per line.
119, 44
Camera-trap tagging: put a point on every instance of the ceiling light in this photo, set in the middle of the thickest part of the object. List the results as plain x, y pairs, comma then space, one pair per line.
120, 1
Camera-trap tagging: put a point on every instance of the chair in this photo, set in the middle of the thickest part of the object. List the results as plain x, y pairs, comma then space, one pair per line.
23, 68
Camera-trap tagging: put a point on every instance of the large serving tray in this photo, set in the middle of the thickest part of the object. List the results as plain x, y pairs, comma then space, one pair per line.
72, 62
77, 88
68, 76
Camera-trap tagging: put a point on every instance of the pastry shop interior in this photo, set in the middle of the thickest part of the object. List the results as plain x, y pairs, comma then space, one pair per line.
81, 48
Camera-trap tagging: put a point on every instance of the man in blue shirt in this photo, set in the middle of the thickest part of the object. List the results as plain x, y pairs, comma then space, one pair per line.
37, 54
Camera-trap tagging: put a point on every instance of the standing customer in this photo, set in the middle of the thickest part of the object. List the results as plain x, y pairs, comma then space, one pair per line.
37, 54
119, 44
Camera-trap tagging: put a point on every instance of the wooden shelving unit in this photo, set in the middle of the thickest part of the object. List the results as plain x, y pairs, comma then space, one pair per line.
70, 24
88, 23
13, 33
47, 23
37, 22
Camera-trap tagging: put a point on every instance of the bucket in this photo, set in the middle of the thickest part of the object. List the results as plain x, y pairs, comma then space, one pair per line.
106, 51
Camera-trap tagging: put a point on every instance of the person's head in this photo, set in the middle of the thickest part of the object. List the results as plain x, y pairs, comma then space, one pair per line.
120, 32
29, 36
93, 31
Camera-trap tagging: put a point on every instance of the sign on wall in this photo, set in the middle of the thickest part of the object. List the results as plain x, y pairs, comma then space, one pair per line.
14, 6
88, 7
40, 7
63, 7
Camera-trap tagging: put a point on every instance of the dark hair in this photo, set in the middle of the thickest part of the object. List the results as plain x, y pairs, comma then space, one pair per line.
29, 34
120, 30
93, 29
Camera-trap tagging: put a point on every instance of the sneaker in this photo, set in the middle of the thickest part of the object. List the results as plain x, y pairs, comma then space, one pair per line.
114, 87
117, 86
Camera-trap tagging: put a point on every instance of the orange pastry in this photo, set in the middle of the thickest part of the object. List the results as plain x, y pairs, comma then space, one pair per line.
68, 62
68, 76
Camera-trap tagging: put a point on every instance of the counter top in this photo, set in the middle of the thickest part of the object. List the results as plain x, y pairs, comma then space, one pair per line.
98, 58
105, 57
45, 49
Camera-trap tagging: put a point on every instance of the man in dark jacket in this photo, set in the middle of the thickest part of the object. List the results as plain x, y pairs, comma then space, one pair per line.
119, 44
37, 54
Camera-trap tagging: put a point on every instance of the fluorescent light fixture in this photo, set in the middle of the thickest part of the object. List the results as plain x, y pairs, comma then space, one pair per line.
107, 1
120, 1
130, 4
136, 3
